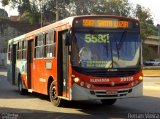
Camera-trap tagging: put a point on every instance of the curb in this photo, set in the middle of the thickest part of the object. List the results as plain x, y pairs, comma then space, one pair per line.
157, 75
151, 87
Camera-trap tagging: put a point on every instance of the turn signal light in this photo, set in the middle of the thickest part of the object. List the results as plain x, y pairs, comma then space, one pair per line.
141, 78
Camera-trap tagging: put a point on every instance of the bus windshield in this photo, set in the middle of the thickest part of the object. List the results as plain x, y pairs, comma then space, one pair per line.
113, 49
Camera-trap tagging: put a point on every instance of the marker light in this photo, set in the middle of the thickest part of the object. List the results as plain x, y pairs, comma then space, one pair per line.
88, 85
141, 78
112, 83
76, 80
132, 84
82, 83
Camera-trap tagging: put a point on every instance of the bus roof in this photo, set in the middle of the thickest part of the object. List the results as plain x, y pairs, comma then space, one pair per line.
67, 21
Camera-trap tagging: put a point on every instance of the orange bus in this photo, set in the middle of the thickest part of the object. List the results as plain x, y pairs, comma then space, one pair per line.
79, 58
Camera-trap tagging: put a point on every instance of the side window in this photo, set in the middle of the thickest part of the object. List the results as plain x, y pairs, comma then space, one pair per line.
49, 44
9, 52
24, 46
39, 41
19, 50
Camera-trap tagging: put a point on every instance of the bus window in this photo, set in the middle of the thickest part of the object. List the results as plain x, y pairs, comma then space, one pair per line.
39, 46
9, 52
49, 45
24, 46
19, 50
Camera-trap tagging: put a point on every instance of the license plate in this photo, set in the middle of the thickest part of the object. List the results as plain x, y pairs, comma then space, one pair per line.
111, 92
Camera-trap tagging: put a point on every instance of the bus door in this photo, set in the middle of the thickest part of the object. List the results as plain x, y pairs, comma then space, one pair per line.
63, 65
13, 59
30, 44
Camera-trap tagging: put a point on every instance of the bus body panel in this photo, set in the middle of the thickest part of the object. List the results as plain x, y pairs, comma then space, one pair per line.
41, 74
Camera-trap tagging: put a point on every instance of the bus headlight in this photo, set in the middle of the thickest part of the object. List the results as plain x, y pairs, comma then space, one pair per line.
76, 80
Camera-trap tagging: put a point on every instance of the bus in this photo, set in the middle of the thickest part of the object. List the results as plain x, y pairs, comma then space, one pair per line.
92, 57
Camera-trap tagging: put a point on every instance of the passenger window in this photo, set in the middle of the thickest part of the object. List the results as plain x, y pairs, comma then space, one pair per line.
39, 46
19, 50
9, 52
24, 46
49, 46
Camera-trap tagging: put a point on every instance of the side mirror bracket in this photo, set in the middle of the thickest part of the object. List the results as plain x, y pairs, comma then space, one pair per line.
68, 39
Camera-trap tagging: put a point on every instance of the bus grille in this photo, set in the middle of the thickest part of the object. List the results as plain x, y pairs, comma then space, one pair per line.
109, 85
120, 93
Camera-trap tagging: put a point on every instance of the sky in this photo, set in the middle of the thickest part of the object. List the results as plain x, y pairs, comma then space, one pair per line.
153, 5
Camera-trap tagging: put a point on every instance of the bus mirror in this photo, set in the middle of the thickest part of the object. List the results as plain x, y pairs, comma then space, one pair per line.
68, 40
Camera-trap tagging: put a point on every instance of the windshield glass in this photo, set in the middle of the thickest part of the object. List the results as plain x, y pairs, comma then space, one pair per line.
120, 49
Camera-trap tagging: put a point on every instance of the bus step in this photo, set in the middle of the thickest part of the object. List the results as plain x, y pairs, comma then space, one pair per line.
30, 90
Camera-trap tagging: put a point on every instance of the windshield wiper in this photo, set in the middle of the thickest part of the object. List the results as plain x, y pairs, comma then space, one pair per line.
122, 39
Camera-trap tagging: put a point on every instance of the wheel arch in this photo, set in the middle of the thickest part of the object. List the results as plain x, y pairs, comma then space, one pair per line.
50, 80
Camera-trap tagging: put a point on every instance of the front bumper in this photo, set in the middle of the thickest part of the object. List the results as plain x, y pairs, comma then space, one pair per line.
80, 93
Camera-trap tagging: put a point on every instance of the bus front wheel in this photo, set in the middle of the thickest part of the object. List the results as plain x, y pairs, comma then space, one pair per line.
108, 101
53, 98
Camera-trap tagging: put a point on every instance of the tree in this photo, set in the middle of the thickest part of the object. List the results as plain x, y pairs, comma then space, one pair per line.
147, 28
146, 21
3, 26
3, 13
84, 7
112, 7
31, 10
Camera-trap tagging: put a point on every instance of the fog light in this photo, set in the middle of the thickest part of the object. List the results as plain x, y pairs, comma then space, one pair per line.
82, 83
141, 78
88, 85
76, 80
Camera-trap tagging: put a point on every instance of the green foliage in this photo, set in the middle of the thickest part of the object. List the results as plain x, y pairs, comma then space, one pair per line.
3, 13
5, 2
29, 17
117, 7
146, 21
64, 7
84, 7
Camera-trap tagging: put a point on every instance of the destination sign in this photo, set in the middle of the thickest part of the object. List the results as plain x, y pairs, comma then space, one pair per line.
109, 23
105, 23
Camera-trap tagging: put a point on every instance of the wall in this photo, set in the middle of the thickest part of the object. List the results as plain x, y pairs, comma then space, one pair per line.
11, 29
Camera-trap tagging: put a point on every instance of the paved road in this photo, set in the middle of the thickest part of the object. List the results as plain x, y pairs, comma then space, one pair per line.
36, 106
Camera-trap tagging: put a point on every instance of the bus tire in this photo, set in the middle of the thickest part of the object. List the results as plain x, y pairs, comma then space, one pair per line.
58, 102
22, 91
108, 101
